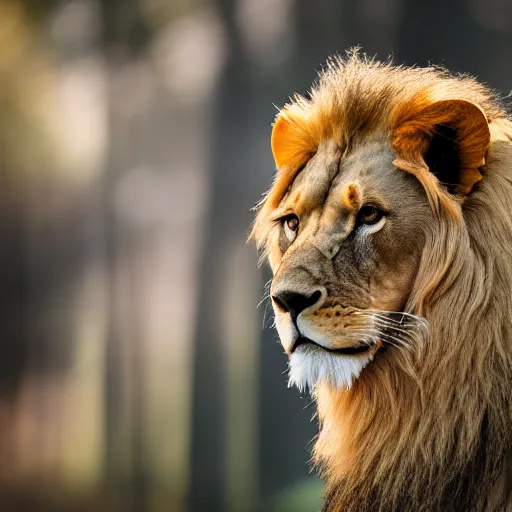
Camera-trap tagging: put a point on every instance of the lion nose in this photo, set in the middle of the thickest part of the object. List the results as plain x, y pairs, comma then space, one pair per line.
294, 302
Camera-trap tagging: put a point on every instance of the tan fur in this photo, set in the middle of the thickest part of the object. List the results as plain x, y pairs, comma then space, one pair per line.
434, 429
352, 197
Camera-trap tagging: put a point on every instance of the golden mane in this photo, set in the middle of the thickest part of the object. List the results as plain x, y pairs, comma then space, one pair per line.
438, 436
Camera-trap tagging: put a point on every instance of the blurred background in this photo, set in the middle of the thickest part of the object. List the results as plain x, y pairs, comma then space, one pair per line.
137, 372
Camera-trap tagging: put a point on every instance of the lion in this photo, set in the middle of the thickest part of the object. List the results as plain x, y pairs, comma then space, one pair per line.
388, 229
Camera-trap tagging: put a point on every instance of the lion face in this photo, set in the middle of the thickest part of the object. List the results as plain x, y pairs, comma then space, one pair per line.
347, 238
363, 176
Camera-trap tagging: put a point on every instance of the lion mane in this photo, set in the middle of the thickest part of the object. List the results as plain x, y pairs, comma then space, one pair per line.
436, 437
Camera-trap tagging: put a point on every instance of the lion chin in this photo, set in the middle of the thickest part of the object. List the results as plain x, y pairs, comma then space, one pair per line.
309, 365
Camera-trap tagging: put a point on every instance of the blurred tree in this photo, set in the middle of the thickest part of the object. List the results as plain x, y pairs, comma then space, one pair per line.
125, 36
464, 35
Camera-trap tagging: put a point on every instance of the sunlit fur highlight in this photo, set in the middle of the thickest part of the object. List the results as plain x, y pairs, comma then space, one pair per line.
438, 437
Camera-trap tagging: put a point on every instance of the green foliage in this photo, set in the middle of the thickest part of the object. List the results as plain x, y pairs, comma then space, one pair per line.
304, 496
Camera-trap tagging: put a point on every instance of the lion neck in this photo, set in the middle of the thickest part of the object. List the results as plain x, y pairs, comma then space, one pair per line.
435, 439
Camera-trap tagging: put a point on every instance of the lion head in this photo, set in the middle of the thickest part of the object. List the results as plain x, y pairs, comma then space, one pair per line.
389, 233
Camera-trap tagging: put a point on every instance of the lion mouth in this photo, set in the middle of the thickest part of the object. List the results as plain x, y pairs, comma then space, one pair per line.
357, 349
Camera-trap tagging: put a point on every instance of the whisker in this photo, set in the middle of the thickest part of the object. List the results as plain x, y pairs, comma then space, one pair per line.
366, 338
397, 342
264, 316
413, 319
412, 333
390, 340
265, 297
407, 340
384, 328
385, 325
390, 315
413, 325
309, 404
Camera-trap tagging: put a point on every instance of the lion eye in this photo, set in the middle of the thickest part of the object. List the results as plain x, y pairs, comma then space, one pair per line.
291, 227
369, 215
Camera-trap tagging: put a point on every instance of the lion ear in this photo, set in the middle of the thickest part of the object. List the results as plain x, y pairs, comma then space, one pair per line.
450, 138
291, 146
279, 142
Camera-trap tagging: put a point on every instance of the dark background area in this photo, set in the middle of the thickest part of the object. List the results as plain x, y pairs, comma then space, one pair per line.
137, 372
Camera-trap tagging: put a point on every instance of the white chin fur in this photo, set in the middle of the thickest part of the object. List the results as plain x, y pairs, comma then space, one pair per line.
310, 365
